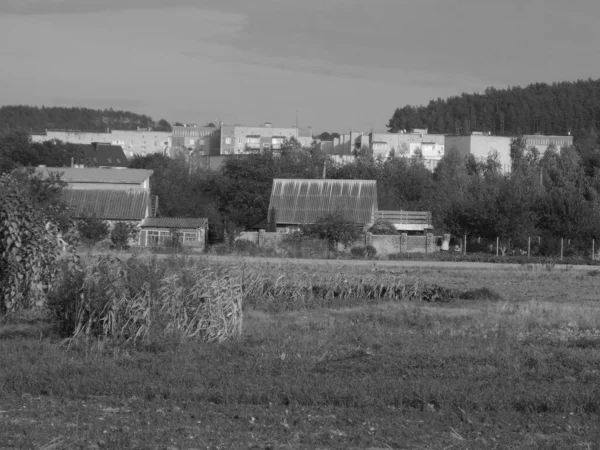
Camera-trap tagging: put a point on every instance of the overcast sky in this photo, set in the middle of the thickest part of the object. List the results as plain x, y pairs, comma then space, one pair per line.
341, 64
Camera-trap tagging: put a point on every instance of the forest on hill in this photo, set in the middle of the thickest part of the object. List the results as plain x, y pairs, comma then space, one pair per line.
551, 109
37, 119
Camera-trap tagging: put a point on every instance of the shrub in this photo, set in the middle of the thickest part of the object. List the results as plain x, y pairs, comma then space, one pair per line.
28, 246
92, 230
246, 248
383, 227
334, 228
361, 251
121, 234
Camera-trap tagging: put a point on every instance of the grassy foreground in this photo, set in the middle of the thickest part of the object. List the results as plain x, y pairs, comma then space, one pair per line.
518, 371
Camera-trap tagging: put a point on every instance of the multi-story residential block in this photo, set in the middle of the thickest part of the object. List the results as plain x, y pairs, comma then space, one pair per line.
350, 143
430, 146
142, 141
237, 139
542, 142
205, 140
481, 146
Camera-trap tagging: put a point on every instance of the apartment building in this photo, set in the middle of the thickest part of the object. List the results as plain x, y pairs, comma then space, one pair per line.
142, 141
481, 146
542, 142
237, 139
205, 141
430, 146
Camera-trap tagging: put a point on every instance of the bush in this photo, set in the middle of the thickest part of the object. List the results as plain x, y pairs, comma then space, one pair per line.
383, 227
362, 251
28, 246
121, 234
246, 248
92, 230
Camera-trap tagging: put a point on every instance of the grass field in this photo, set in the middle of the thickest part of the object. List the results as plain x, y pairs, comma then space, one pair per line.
519, 369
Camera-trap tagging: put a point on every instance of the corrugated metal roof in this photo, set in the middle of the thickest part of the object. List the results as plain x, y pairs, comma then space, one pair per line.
304, 201
98, 175
108, 204
175, 222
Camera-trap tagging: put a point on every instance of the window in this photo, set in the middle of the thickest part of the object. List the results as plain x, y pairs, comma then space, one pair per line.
192, 142
190, 236
240, 140
228, 141
252, 141
155, 237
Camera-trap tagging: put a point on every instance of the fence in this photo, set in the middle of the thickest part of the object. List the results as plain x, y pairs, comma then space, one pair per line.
384, 245
407, 220
403, 243
533, 246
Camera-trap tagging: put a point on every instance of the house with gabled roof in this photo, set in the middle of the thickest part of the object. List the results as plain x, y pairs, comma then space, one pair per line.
296, 202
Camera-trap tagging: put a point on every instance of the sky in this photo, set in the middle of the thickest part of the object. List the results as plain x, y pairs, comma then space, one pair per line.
334, 65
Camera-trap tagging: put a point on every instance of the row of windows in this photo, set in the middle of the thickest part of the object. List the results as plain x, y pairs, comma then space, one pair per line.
161, 237
547, 142
254, 141
191, 133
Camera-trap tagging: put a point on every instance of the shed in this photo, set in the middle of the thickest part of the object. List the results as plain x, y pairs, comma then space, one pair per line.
158, 231
299, 201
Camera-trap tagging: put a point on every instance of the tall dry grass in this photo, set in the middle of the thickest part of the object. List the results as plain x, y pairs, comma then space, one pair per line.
133, 301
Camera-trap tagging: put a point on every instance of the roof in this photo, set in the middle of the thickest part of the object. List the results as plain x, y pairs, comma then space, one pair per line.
98, 175
296, 201
175, 222
101, 154
108, 204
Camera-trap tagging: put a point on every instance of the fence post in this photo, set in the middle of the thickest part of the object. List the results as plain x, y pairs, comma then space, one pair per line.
529, 247
465, 249
404, 243
593, 249
561, 248
497, 245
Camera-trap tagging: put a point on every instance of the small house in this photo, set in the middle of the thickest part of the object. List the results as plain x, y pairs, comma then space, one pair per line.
191, 232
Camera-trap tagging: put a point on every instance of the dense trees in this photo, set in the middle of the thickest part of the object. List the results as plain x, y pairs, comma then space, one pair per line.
16, 149
554, 196
35, 119
556, 108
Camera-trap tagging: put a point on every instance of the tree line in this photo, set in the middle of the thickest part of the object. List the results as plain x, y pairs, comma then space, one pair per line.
38, 119
551, 109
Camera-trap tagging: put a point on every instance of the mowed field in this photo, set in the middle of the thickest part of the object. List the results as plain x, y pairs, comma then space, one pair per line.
511, 361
